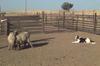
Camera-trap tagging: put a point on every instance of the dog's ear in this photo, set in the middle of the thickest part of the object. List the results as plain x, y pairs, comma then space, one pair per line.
77, 37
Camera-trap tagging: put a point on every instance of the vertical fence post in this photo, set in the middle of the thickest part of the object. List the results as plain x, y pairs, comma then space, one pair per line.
95, 22
46, 18
63, 19
58, 23
77, 23
51, 16
37, 13
82, 20
43, 20
73, 18
6, 27
58, 18
1, 27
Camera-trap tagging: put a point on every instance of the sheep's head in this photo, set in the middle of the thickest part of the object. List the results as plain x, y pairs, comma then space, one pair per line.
15, 32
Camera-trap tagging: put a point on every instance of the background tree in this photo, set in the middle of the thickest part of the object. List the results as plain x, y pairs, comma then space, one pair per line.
67, 6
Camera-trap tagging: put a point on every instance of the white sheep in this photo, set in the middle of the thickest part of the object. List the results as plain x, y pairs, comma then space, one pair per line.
11, 40
22, 39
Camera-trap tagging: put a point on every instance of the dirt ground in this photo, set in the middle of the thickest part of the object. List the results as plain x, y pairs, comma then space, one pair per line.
53, 49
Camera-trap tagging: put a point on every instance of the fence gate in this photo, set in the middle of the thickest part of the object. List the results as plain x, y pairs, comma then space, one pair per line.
53, 22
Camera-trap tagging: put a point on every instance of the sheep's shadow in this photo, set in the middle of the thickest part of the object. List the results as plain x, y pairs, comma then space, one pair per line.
3, 47
38, 43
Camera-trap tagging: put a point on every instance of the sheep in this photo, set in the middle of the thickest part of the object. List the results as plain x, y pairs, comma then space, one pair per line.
23, 38
11, 40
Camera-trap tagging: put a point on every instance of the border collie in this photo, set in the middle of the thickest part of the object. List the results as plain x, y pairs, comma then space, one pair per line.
79, 39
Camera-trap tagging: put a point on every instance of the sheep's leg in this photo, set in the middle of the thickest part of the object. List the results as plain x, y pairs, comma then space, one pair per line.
29, 42
25, 43
19, 46
14, 46
11, 47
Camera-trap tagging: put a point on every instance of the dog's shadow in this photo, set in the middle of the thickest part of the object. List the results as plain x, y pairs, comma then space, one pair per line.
38, 43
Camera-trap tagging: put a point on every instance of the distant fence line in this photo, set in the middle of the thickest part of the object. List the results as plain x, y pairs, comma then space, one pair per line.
51, 22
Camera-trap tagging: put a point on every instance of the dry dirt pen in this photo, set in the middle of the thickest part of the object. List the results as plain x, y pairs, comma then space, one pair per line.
53, 49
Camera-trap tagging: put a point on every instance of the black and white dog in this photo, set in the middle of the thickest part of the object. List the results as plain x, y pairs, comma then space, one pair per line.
79, 39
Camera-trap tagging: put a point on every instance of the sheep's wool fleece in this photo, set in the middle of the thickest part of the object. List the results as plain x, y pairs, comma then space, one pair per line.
11, 37
22, 36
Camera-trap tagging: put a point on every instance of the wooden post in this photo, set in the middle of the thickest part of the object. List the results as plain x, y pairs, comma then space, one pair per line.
46, 19
95, 22
1, 27
82, 20
43, 20
51, 18
77, 23
7, 27
37, 13
64, 19
58, 22
73, 19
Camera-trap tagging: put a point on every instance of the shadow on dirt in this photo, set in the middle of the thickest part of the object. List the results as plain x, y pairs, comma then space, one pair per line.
38, 43
3, 47
35, 43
